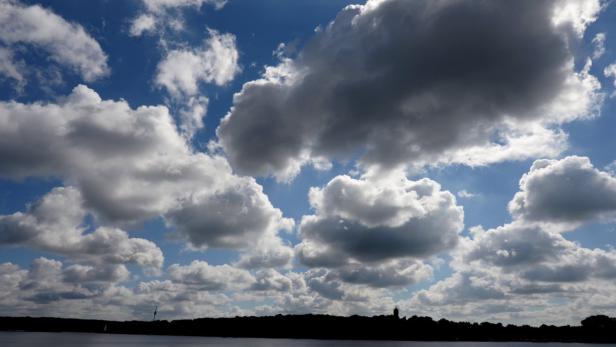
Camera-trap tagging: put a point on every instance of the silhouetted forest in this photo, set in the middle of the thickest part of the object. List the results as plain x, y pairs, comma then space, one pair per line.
592, 329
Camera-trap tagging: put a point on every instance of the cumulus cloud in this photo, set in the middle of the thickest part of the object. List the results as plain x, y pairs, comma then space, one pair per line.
376, 81
538, 255
270, 279
270, 251
514, 271
142, 24
211, 277
162, 14
182, 71
510, 271
193, 290
460, 288
377, 232
66, 43
216, 62
49, 283
234, 218
570, 191
89, 142
54, 224
363, 220
398, 272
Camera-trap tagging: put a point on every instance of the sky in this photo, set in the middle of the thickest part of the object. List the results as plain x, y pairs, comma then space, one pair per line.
452, 158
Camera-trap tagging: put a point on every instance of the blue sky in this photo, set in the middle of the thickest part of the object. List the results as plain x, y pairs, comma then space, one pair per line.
369, 156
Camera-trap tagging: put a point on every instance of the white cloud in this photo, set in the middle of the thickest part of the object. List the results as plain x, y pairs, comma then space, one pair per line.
191, 115
66, 43
11, 68
160, 15
575, 14
216, 61
376, 232
54, 224
520, 274
340, 96
236, 217
89, 143
610, 71
464, 194
194, 290
162, 5
513, 272
599, 43
364, 220
270, 279
211, 277
48, 286
141, 24
569, 191
183, 70
397, 272
268, 252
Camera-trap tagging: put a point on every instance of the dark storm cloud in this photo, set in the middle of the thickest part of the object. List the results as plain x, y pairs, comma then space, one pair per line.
404, 80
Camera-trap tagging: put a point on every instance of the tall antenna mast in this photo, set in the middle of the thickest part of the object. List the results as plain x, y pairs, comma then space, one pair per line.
155, 312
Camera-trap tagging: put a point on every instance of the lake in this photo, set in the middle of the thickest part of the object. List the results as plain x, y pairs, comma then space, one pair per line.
23, 339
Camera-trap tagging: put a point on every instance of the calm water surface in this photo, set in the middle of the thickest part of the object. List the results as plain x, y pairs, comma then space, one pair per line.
14, 339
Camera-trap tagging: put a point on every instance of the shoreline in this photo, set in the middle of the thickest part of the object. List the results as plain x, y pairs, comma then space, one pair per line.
595, 329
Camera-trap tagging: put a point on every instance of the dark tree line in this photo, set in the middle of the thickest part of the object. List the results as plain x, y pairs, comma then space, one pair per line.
592, 329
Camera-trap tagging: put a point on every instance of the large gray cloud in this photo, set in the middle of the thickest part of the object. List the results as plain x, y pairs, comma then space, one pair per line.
380, 81
569, 190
